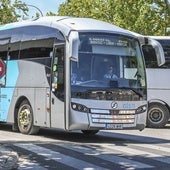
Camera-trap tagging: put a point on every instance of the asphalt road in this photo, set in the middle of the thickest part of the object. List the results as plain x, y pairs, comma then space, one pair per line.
121, 149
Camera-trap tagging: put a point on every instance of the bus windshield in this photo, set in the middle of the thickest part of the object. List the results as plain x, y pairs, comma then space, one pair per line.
108, 63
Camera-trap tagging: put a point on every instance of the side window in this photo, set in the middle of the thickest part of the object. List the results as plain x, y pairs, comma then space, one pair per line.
36, 48
166, 47
150, 56
14, 50
4, 48
37, 41
58, 72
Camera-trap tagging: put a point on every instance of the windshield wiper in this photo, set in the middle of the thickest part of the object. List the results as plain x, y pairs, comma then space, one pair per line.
81, 89
88, 81
134, 90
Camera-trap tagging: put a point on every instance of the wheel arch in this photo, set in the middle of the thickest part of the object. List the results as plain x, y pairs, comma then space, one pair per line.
158, 101
162, 109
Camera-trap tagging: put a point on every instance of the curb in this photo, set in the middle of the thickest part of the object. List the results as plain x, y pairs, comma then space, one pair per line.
8, 158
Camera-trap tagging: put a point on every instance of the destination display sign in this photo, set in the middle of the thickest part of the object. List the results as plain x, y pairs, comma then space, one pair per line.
108, 41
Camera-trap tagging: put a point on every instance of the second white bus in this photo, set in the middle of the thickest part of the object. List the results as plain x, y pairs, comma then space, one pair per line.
158, 84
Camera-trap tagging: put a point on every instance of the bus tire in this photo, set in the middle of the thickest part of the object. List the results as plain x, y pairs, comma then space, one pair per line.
25, 119
157, 116
90, 132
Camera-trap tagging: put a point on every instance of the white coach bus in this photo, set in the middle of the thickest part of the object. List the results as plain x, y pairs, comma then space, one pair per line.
52, 75
158, 84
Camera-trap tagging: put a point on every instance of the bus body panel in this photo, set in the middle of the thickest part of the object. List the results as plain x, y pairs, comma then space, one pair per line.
6, 94
31, 84
57, 113
158, 85
157, 82
39, 107
32, 74
100, 116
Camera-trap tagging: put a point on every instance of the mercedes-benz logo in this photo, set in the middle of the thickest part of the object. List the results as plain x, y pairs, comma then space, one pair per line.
114, 105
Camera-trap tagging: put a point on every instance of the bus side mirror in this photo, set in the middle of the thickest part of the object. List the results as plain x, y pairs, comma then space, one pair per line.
74, 45
158, 51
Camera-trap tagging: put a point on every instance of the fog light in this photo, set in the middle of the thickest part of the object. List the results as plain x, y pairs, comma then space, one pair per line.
79, 107
141, 109
74, 106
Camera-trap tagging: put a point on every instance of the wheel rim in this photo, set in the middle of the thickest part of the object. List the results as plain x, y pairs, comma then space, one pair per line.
156, 115
24, 117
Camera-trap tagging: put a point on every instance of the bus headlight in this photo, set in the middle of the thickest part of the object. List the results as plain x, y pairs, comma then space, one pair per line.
79, 107
141, 109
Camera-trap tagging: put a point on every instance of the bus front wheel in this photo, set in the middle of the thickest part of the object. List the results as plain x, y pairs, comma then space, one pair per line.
25, 119
158, 115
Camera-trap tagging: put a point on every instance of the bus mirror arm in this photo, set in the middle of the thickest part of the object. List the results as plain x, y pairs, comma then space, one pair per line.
158, 51
74, 45
155, 44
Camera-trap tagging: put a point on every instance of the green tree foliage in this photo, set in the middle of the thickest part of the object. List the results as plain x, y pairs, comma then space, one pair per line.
163, 8
86, 8
50, 14
148, 17
143, 16
8, 11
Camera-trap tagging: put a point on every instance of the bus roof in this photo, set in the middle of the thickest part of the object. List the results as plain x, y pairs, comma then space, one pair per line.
66, 24
159, 37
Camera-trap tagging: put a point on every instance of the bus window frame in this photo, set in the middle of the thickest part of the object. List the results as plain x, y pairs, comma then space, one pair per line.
54, 86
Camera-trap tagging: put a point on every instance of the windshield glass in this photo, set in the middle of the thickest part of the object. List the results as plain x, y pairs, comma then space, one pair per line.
108, 63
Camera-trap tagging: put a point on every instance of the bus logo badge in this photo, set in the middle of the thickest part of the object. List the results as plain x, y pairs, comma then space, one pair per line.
114, 105
2, 68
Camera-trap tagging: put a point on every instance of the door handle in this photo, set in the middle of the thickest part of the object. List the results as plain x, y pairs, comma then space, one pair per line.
52, 100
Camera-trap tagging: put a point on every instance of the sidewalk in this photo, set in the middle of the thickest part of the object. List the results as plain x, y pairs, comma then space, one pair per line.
8, 158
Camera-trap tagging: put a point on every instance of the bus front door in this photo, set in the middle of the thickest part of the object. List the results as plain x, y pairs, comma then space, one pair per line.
57, 92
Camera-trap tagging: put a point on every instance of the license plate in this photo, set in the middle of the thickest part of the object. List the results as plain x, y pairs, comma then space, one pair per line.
114, 126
